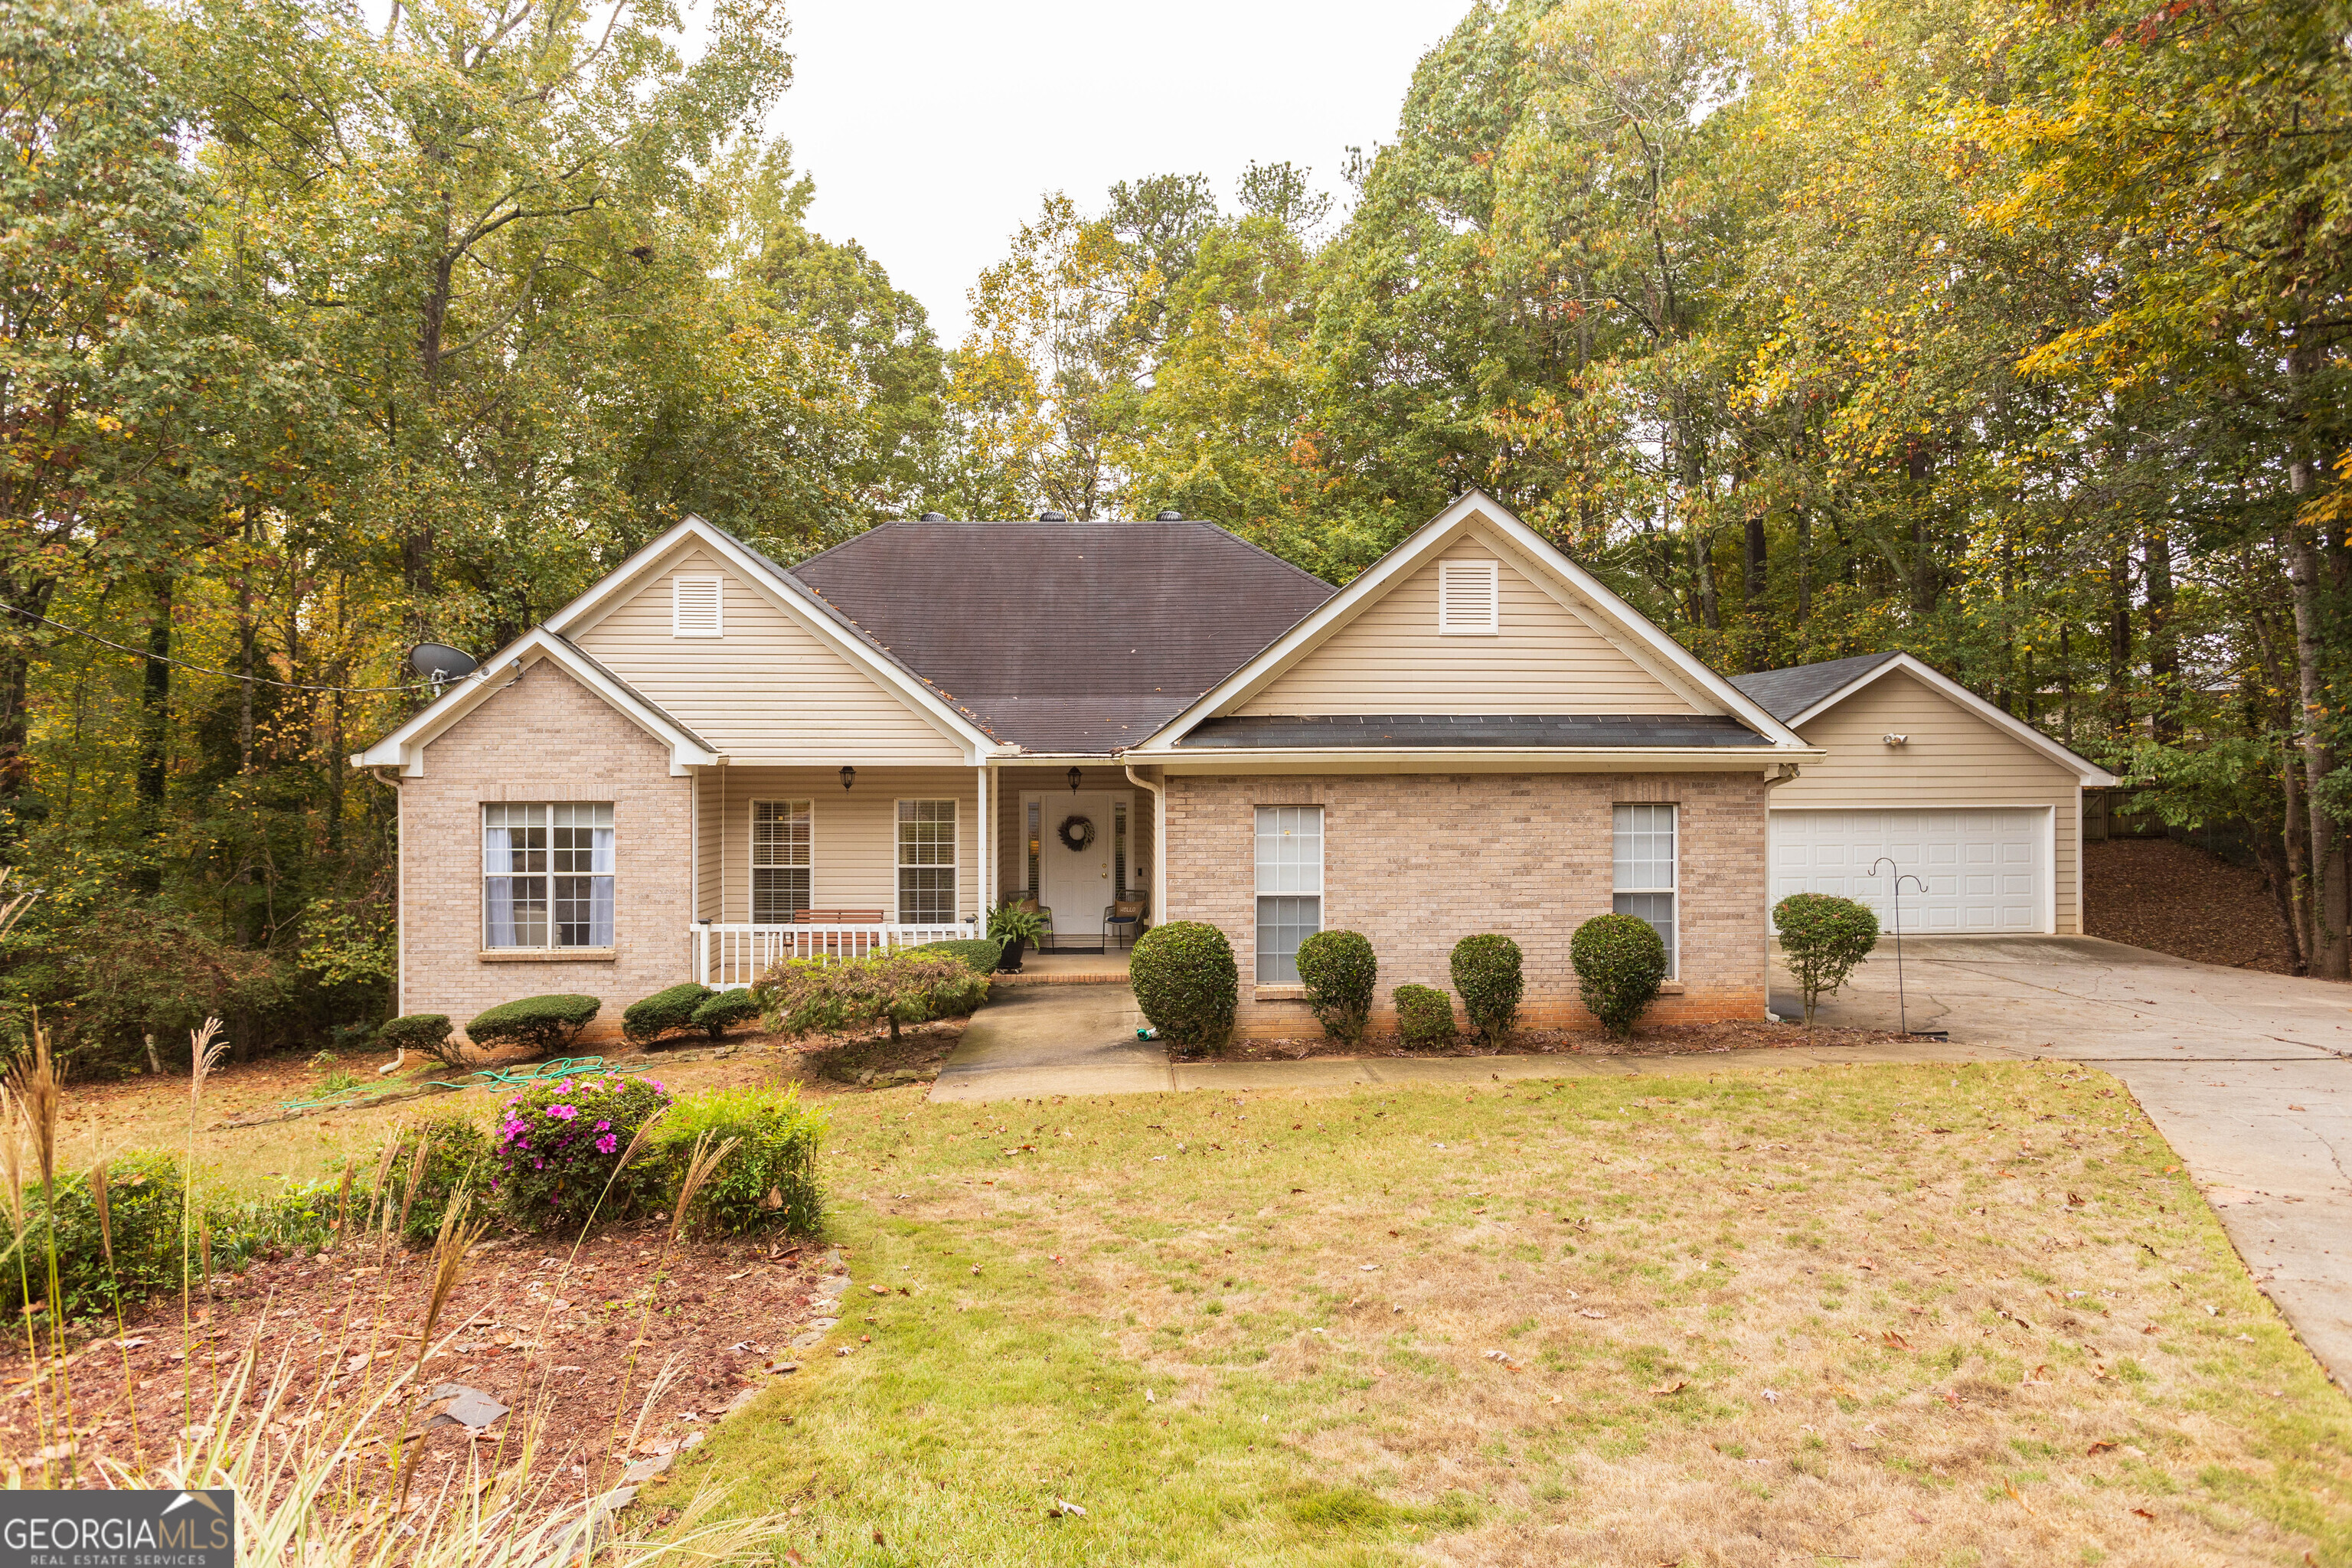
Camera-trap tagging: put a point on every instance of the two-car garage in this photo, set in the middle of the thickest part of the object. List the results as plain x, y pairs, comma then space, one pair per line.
1977, 813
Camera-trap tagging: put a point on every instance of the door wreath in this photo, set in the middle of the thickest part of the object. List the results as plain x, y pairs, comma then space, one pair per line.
1077, 832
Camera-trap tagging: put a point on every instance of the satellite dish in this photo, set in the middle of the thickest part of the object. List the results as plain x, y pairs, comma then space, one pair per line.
436, 663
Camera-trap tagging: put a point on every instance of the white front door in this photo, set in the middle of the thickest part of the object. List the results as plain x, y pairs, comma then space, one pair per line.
1985, 869
1077, 881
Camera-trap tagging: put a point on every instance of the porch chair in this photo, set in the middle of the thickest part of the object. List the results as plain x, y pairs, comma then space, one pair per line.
1125, 917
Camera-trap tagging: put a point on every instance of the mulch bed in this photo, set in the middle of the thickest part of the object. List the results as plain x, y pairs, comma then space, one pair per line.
1664, 1040
2171, 897
526, 1324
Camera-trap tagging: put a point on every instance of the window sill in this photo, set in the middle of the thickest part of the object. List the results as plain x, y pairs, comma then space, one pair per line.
549, 954
1670, 988
1278, 993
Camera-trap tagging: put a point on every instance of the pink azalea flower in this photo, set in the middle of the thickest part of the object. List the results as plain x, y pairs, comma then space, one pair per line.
607, 1144
562, 1112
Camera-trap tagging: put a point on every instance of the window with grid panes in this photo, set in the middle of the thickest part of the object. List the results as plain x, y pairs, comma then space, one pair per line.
927, 862
547, 875
782, 867
1289, 887
1643, 852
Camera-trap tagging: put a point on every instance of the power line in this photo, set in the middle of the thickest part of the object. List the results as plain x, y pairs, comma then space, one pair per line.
200, 670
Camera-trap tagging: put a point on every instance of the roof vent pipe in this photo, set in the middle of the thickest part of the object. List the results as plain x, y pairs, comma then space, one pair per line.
1051, 517
935, 517
1170, 515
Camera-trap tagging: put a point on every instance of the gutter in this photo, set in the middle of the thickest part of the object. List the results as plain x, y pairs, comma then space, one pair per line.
1769, 760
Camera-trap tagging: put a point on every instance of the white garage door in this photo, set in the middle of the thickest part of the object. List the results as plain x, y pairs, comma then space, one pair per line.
1985, 870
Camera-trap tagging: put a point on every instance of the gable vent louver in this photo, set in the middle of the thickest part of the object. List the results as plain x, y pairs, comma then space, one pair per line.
694, 607
1469, 598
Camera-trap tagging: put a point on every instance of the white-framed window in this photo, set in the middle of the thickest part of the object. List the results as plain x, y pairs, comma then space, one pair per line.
782, 839
1469, 598
1645, 883
1289, 887
547, 875
927, 862
697, 606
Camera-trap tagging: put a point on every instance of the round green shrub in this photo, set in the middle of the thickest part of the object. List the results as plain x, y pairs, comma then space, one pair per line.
1620, 962
1424, 1016
143, 1199
1823, 937
545, 1024
559, 1145
979, 952
1486, 977
1339, 970
1186, 984
457, 1159
426, 1034
725, 1009
657, 1014
768, 1181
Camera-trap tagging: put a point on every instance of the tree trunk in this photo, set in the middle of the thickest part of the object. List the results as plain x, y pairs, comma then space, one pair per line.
2119, 634
2328, 950
1710, 614
2163, 639
154, 735
15, 701
1804, 565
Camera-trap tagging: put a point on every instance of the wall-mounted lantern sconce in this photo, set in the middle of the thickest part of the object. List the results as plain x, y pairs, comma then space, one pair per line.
1074, 776
848, 777
1896, 740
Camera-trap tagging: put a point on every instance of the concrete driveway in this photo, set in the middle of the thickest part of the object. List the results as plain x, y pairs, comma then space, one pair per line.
2248, 1075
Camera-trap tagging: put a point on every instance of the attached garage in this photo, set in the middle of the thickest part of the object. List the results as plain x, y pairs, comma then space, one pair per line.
1925, 780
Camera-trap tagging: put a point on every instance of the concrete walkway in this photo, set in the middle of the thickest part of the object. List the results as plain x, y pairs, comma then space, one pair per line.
1035, 1039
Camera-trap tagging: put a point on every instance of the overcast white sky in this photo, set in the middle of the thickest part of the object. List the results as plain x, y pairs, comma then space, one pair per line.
933, 128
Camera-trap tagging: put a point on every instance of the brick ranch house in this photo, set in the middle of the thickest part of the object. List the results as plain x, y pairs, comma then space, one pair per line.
708, 761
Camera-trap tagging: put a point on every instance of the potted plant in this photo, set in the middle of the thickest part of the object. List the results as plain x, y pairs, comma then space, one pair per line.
1014, 924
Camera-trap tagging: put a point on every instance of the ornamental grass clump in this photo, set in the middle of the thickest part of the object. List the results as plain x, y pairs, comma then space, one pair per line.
1486, 977
1339, 970
1186, 984
1823, 938
1620, 961
565, 1152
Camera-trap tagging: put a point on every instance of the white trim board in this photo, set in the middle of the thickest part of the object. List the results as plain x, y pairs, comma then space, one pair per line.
2087, 773
1478, 516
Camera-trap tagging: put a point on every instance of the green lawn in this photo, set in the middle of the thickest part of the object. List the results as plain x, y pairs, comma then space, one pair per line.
1876, 1314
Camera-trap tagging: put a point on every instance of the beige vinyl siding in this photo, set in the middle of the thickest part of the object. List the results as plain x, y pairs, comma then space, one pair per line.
1953, 758
853, 833
1390, 659
767, 691
710, 790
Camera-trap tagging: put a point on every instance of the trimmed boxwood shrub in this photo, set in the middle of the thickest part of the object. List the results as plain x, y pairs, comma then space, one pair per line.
559, 1144
428, 1034
662, 1012
1823, 937
1186, 984
144, 1197
768, 1181
1486, 977
456, 1157
981, 953
1620, 963
1424, 1016
725, 1009
1339, 970
547, 1023
801, 997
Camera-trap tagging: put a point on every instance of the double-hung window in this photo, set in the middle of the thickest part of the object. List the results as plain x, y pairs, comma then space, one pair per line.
1289, 887
1645, 880
927, 862
547, 876
780, 861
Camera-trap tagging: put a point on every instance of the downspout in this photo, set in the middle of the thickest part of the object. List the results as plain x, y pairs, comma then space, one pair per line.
1159, 841
1781, 773
399, 886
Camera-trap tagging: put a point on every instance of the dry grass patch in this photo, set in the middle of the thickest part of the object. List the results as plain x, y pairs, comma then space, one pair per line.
1901, 1315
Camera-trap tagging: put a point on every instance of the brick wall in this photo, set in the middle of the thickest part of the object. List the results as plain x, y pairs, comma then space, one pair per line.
544, 738
1416, 862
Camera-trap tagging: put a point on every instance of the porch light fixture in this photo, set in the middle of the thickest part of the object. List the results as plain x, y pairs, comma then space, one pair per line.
1074, 776
848, 777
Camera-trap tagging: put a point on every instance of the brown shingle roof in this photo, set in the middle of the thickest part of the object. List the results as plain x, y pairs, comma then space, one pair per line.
1064, 637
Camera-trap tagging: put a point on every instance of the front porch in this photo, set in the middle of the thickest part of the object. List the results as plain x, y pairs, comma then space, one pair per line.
815, 862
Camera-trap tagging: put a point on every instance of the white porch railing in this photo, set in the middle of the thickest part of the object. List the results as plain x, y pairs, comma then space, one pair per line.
731, 956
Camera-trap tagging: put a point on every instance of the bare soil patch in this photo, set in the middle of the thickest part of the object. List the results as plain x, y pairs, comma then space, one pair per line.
584, 1337
2171, 897
1663, 1040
